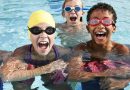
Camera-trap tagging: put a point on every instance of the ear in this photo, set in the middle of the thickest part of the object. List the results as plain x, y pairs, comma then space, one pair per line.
83, 12
114, 28
87, 27
63, 13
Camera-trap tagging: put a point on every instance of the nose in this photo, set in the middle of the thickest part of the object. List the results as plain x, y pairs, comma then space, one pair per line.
43, 34
101, 25
72, 11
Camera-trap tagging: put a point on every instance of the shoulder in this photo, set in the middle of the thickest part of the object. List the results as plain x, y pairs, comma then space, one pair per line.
64, 53
62, 50
4, 55
21, 51
60, 25
81, 46
121, 49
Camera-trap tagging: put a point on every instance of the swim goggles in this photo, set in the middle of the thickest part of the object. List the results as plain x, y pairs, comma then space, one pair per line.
105, 21
69, 9
37, 30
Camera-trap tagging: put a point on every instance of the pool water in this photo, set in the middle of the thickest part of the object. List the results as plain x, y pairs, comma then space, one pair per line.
15, 13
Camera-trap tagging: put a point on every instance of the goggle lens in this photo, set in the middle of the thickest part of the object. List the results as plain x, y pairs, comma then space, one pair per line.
77, 8
104, 21
37, 30
69, 9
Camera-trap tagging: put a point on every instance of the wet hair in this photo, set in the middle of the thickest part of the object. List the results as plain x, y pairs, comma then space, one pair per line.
63, 6
102, 6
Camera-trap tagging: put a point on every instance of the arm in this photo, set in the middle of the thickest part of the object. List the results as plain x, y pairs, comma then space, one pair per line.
77, 74
122, 49
4, 55
120, 79
121, 72
16, 70
113, 84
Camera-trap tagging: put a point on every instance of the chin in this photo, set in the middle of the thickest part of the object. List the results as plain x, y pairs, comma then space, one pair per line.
74, 23
100, 43
43, 53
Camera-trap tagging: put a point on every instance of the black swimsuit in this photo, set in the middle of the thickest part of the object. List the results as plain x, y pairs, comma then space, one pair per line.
28, 59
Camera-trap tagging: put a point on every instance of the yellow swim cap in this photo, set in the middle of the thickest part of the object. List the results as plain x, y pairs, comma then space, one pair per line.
41, 16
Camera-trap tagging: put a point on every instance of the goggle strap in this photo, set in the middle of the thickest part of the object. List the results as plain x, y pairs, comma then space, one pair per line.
84, 8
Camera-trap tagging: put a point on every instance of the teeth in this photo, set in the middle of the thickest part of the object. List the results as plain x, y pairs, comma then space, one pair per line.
100, 32
72, 15
43, 42
73, 18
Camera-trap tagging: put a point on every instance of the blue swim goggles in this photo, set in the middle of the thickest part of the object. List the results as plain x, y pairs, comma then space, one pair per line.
69, 9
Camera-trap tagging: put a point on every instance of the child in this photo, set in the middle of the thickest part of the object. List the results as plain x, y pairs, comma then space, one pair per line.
99, 53
3, 56
41, 57
73, 31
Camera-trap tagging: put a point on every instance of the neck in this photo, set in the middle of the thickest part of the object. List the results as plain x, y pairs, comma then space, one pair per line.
36, 56
75, 27
77, 24
106, 46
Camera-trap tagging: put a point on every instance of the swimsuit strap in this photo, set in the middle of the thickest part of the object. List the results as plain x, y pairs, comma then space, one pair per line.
29, 60
57, 54
29, 54
27, 57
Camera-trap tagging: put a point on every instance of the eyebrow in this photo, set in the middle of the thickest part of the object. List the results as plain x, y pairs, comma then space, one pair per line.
98, 18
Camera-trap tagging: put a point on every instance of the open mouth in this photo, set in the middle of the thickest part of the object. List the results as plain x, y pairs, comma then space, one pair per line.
101, 34
73, 18
43, 44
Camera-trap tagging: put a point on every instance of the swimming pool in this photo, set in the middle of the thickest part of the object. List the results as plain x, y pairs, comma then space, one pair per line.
14, 15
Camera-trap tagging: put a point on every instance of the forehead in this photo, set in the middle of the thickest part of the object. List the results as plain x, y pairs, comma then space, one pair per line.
100, 13
73, 3
42, 25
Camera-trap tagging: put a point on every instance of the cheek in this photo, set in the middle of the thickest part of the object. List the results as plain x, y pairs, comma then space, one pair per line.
90, 28
52, 38
80, 13
110, 29
113, 29
66, 14
33, 38
91, 32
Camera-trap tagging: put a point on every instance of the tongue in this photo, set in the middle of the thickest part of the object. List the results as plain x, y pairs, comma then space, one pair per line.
44, 46
101, 37
73, 18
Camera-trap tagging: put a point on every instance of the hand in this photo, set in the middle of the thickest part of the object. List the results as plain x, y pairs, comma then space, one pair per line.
119, 73
58, 65
59, 77
113, 84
